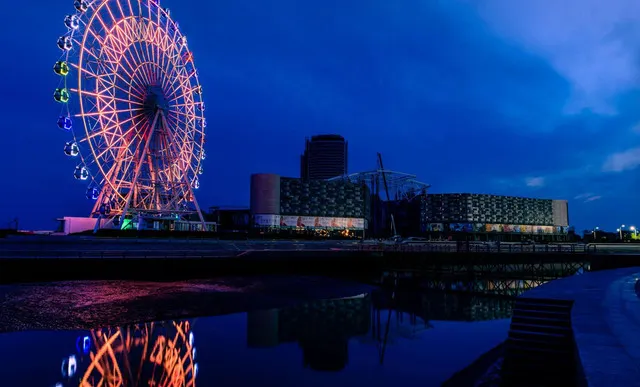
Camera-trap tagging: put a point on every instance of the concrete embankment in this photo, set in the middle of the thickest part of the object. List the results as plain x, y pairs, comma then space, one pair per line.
207, 264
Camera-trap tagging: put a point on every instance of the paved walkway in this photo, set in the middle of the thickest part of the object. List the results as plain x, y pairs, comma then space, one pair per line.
606, 323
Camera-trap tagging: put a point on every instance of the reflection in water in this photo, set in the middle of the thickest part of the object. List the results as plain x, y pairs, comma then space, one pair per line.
370, 339
154, 354
321, 328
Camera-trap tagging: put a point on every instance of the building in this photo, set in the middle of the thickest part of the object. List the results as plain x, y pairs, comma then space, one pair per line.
324, 157
229, 219
279, 203
482, 217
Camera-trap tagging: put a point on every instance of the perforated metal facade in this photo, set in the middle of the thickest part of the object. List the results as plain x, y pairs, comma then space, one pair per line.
480, 208
323, 198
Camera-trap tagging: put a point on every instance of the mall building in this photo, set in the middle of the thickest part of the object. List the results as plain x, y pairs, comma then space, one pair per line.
297, 205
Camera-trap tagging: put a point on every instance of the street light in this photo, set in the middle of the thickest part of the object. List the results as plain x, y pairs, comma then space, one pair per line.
620, 231
595, 235
635, 231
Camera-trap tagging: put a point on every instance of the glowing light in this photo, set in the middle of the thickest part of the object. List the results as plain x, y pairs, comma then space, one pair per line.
71, 149
61, 95
93, 193
83, 345
65, 123
69, 366
191, 339
61, 68
81, 173
81, 5
65, 43
72, 22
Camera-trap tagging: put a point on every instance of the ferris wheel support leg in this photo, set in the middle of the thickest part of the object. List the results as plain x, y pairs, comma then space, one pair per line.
184, 176
97, 226
138, 167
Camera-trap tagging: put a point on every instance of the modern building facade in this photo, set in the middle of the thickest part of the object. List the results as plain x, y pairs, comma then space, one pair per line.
325, 156
292, 203
438, 215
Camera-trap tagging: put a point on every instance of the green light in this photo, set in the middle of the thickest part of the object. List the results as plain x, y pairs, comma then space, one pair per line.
61, 68
61, 95
127, 224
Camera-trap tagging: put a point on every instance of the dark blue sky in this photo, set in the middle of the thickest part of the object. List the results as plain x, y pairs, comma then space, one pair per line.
538, 99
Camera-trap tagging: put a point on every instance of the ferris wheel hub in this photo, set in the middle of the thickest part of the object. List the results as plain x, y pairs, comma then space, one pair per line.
154, 100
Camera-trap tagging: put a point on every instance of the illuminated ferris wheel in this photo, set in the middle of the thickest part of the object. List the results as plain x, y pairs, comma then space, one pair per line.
132, 101
153, 354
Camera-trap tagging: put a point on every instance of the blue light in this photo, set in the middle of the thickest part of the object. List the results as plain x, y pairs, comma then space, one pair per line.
83, 344
69, 366
65, 123
93, 193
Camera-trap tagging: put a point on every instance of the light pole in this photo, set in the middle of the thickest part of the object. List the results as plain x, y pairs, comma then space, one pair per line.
620, 231
635, 231
595, 233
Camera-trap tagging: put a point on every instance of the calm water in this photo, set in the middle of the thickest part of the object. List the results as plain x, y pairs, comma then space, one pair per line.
275, 331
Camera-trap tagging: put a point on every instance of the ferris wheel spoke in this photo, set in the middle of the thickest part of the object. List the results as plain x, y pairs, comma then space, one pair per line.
106, 97
181, 148
134, 73
124, 16
95, 114
176, 81
100, 133
186, 93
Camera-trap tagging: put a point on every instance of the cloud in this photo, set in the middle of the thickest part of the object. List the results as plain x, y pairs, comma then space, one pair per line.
587, 197
622, 161
592, 198
535, 181
593, 43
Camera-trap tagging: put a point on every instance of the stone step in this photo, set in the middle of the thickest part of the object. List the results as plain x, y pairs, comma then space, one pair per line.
541, 344
541, 313
543, 305
544, 337
529, 320
544, 301
558, 330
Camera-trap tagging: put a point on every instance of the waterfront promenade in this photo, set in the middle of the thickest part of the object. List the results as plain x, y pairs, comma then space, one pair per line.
604, 321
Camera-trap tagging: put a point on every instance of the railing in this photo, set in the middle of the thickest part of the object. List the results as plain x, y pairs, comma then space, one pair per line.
479, 248
238, 250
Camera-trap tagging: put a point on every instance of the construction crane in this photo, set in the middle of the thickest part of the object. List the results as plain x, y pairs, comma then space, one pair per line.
394, 232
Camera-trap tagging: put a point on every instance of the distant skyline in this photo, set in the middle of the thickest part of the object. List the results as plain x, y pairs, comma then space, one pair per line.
536, 98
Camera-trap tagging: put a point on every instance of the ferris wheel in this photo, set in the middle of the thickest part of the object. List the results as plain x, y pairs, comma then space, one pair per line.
161, 354
133, 105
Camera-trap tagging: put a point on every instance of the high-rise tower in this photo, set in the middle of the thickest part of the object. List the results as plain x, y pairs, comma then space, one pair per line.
324, 157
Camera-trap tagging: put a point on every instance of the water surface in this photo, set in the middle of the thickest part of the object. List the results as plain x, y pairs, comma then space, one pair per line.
272, 331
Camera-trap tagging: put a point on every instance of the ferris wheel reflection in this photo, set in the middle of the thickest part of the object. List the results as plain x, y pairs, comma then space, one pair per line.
161, 354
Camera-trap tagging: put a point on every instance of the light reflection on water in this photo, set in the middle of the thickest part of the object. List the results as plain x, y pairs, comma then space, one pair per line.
367, 338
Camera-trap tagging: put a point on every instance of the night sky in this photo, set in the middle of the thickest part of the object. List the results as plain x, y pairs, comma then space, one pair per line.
535, 98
